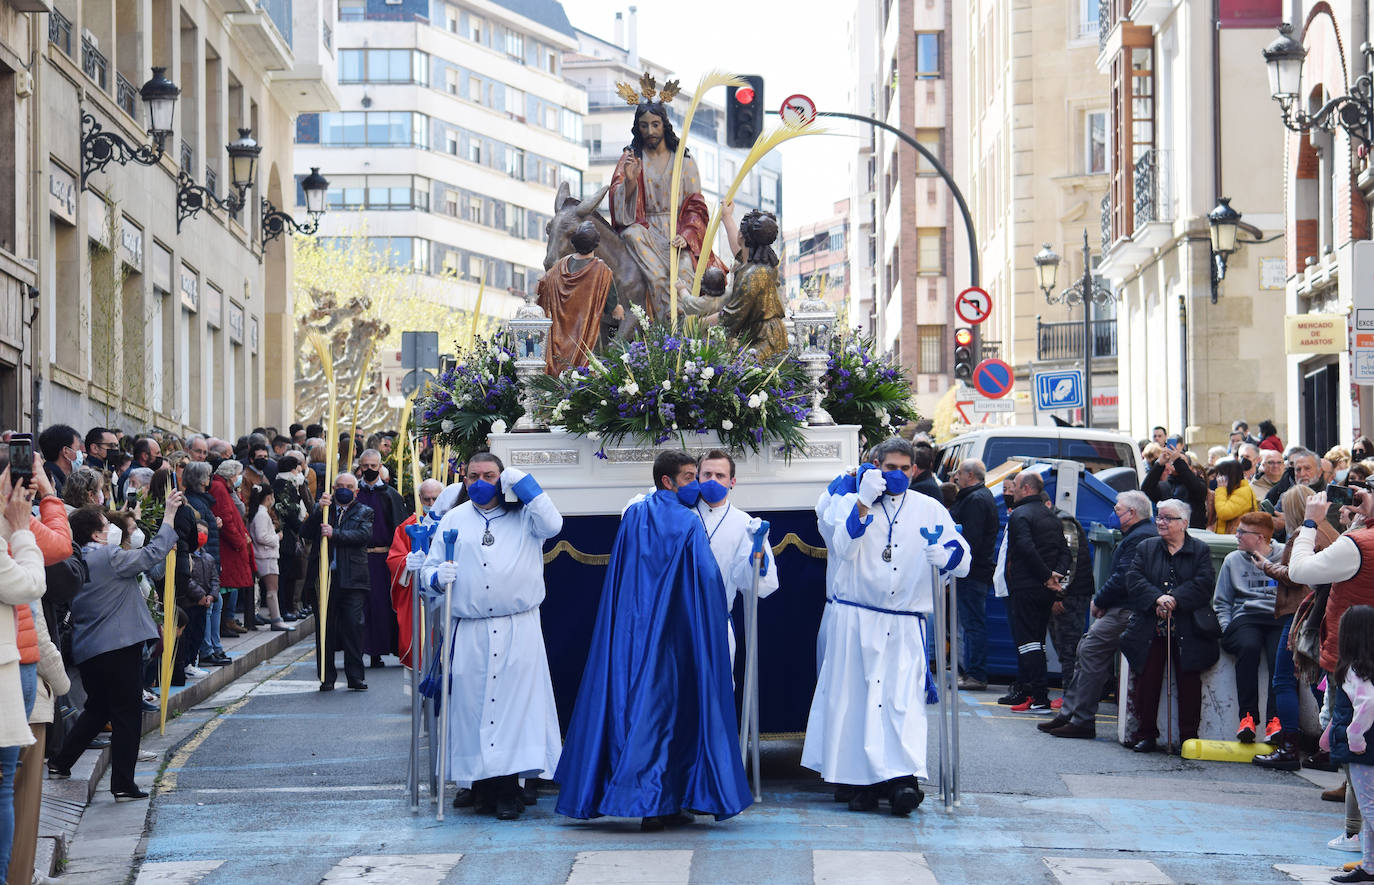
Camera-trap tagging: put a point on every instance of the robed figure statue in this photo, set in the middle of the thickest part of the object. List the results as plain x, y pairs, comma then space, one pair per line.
578, 293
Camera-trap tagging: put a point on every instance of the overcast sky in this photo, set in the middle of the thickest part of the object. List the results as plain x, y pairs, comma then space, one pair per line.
794, 51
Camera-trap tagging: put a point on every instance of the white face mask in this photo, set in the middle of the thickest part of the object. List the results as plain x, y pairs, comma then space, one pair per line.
238, 480
138, 538
296, 478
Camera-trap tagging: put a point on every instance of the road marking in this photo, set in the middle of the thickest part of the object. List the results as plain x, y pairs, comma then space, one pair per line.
631, 868
393, 869
871, 868
181, 872
1308, 875
348, 788
1105, 871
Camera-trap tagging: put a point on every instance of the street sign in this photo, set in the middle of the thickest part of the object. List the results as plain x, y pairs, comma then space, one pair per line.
420, 350
415, 380
993, 378
392, 373
994, 405
797, 110
1059, 390
973, 305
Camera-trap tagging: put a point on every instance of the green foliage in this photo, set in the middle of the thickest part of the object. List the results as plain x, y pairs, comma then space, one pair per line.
867, 389
477, 396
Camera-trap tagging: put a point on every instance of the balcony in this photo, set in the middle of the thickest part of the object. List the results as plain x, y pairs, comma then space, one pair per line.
211, 181
187, 157
309, 84
1154, 213
992, 350
60, 32
266, 31
279, 11
1064, 341
1106, 240
126, 96
94, 65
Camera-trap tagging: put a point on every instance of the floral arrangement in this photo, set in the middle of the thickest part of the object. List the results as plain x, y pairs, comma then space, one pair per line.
478, 396
670, 383
867, 389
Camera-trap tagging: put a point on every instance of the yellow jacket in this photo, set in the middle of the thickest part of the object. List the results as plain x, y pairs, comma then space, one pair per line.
1231, 504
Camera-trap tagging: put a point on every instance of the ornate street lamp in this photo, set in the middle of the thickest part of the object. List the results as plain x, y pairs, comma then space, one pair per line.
1086, 291
99, 148
243, 162
275, 222
530, 329
1354, 112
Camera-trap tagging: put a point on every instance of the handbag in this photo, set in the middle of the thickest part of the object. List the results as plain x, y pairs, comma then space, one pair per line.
1205, 622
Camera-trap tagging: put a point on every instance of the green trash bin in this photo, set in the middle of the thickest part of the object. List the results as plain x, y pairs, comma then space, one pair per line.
1104, 541
1219, 545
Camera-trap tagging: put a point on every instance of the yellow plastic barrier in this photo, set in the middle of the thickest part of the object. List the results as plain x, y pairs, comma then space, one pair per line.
1223, 751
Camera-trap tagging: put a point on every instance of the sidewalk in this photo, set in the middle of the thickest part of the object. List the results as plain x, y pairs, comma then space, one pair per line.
110, 838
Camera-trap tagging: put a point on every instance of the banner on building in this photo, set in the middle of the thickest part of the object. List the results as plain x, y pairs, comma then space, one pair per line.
1249, 14
1314, 333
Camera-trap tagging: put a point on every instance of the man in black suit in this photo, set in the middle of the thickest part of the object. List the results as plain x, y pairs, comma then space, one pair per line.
349, 531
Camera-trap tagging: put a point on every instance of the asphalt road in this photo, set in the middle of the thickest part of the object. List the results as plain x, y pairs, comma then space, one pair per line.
290, 785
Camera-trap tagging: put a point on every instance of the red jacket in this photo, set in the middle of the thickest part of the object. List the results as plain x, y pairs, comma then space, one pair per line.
235, 550
52, 531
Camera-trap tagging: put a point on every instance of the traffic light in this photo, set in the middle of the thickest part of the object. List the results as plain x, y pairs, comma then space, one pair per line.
963, 354
744, 112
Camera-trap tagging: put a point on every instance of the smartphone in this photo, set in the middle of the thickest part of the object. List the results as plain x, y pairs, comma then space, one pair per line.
21, 458
1173, 442
1339, 495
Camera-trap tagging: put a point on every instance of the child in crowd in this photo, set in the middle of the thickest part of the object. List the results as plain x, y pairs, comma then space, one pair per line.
1352, 725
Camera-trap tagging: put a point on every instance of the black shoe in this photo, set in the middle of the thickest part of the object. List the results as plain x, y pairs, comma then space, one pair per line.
906, 799
219, 659
843, 792
99, 743
529, 795
1285, 757
678, 819
1147, 745
357, 686
1013, 698
651, 825
377, 662
1070, 730
261, 621
58, 773
290, 616
463, 798
1321, 761
864, 799
509, 808
1057, 722
129, 795
1356, 875
326, 686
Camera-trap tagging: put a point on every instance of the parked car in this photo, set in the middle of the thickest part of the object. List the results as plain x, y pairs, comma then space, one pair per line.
1099, 451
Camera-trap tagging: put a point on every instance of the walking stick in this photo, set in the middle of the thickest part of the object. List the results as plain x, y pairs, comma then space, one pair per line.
418, 534
749, 712
445, 649
932, 536
1169, 681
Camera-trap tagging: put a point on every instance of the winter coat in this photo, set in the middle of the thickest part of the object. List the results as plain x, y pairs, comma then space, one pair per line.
204, 505
1232, 504
52, 675
1193, 580
1115, 591
203, 579
266, 542
1357, 590
1035, 546
51, 530
1290, 595
288, 501
21, 582
1182, 485
235, 550
111, 612
975, 511
348, 546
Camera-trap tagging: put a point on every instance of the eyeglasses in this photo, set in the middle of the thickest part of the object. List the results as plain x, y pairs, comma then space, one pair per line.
1246, 532
1162, 518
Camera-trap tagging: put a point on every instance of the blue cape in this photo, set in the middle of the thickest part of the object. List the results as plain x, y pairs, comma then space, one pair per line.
653, 730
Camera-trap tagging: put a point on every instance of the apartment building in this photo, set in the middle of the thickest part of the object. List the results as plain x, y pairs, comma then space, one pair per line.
816, 263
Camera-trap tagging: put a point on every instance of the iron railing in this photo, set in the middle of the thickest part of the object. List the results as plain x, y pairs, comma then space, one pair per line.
188, 156
95, 65
280, 13
1064, 341
1107, 239
1151, 183
126, 96
60, 31
992, 350
211, 181
1104, 23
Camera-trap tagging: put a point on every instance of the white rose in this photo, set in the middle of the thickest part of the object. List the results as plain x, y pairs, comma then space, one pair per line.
754, 401
593, 434
708, 373
763, 396
604, 403
630, 389
625, 358
446, 426
667, 385
502, 356
727, 424
498, 426
675, 425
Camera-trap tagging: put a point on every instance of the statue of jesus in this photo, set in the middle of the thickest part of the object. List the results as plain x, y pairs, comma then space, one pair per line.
640, 191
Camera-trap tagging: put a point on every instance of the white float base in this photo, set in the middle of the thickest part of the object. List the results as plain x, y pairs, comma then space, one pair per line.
582, 484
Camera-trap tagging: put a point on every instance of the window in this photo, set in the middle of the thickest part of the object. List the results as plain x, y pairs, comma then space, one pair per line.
451, 80
383, 66
930, 140
574, 179
1095, 147
930, 350
451, 203
836, 241
352, 10
473, 211
571, 125
451, 18
474, 152
515, 101
515, 163
1087, 17
515, 45
929, 255
515, 221
475, 28
927, 56
591, 139
380, 128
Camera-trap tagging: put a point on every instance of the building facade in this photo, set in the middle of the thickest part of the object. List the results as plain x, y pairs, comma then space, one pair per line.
1190, 117
599, 63
456, 129
147, 319
816, 263
919, 251
1032, 89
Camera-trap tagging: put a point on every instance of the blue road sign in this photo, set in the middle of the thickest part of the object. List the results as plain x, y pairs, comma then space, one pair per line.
993, 378
1059, 390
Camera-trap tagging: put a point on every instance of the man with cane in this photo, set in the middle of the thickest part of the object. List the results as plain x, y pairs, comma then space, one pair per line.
867, 727
497, 699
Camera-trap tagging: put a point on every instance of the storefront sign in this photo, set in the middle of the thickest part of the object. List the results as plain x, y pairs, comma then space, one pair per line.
235, 323
62, 194
131, 245
1314, 333
1273, 274
190, 289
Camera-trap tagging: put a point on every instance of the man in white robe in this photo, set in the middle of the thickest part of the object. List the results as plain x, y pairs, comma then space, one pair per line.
502, 720
730, 532
867, 727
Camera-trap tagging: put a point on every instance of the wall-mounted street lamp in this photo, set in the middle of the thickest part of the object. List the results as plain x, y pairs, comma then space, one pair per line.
275, 222
1225, 228
1354, 112
99, 148
243, 162
1087, 292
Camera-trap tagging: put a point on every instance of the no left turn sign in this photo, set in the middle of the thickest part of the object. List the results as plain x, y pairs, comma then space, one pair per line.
973, 305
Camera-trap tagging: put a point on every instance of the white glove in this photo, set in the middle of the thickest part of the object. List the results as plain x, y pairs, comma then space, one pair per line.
871, 487
754, 525
415, 560
511, 475
937, 555
447, 573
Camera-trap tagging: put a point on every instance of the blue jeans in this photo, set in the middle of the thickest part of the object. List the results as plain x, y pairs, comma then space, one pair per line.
211, 644
1285, 682
973, 627
9, 761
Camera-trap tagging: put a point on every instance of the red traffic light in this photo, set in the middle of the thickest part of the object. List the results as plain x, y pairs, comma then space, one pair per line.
963, 337
744, 95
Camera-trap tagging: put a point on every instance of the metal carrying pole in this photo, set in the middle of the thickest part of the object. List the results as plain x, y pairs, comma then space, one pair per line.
952, 595
445, 649
932, 536
749, 712
417, 534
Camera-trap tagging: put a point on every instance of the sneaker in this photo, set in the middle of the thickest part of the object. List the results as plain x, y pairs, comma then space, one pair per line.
1273, 728
1032, 705
1245, 733
1355, 875
1057, 704
1013, 697
146, 755
196, 672
1345, 843
967, 684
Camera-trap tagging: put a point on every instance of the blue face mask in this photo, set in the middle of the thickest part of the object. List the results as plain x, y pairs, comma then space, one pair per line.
343, 497
713, 492
689, 493
897, 481
429, 512
1112, 521
481, 492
